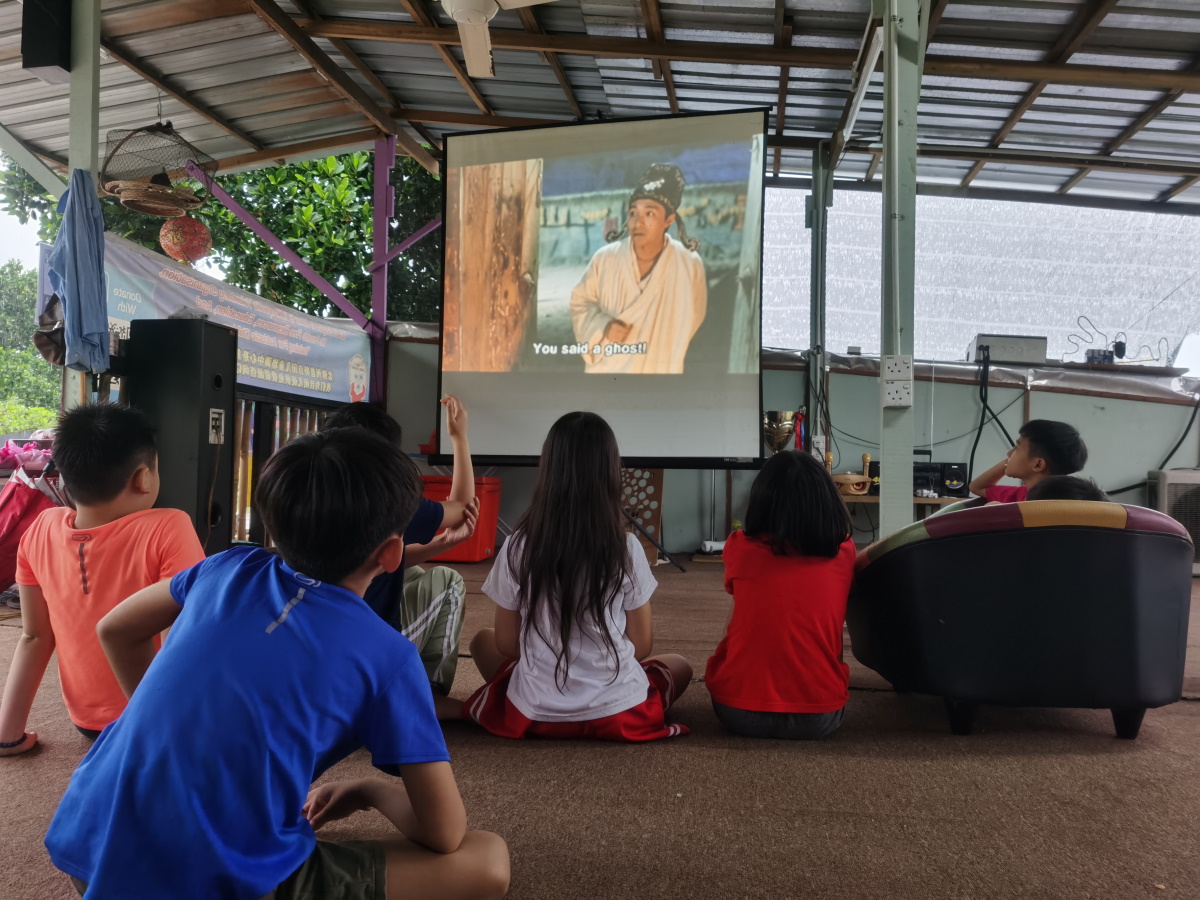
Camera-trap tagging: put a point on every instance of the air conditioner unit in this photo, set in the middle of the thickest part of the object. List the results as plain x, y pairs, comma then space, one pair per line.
1177, 493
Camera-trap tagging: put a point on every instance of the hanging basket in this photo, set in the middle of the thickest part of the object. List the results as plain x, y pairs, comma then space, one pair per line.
146, 169
153, 199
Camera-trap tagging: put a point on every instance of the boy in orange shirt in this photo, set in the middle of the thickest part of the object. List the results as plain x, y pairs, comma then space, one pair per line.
74, 565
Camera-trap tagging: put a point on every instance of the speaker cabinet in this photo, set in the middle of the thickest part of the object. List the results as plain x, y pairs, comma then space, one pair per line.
46, 40
181, 373
954, 480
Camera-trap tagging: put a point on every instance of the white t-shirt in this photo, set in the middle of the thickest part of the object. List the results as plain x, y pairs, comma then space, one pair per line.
591, 692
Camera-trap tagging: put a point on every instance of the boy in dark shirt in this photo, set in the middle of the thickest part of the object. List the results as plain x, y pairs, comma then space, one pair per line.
275, 669
426, 605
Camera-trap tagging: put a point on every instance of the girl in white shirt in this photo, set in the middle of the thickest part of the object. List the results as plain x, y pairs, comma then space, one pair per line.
569, 654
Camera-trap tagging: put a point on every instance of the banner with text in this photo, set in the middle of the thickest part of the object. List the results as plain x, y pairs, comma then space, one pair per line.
279, 348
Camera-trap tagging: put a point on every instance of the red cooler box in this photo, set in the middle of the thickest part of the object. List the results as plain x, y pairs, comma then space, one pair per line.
482, 544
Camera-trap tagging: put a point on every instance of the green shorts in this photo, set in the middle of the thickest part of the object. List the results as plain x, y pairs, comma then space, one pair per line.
354, 870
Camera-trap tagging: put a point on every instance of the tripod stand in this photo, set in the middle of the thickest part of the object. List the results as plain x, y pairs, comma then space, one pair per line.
661, 549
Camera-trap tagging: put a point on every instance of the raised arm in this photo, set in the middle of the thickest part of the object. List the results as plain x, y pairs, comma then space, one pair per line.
127, 632
34, 649
462, 484
980, 483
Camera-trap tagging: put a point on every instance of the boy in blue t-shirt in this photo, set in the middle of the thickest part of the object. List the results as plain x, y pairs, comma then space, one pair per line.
276, 669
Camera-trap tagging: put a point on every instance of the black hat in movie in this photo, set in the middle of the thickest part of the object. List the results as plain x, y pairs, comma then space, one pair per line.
663, 183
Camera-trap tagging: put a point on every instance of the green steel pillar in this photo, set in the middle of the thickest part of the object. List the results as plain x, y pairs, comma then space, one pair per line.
84, 119
902, 88
84, 108
817, 220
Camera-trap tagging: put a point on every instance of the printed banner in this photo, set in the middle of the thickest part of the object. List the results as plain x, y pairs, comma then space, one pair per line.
279, 349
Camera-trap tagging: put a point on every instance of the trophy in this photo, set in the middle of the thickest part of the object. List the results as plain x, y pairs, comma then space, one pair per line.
779, 428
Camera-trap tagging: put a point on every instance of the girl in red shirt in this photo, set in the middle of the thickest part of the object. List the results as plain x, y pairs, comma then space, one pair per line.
778, 672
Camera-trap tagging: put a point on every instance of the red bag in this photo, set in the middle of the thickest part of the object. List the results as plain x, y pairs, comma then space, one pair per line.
21, 501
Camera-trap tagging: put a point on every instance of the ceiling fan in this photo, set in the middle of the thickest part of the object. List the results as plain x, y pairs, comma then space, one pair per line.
472, 17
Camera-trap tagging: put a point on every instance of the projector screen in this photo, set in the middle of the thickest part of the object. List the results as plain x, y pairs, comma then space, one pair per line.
614, 267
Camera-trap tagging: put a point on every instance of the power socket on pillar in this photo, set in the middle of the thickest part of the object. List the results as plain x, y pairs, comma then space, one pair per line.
896, 382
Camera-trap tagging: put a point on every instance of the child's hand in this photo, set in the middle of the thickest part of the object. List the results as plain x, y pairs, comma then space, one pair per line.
24, 747
333, 801
456, 417
466, 527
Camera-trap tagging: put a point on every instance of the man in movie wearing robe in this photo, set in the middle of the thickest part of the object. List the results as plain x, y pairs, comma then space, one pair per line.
646, 288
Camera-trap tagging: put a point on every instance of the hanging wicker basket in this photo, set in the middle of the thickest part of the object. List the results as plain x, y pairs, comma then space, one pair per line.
153, 199
146, 170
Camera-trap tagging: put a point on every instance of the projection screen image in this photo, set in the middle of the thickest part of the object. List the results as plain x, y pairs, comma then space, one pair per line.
613, 267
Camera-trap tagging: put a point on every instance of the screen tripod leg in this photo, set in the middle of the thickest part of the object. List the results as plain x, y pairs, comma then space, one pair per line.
661, 549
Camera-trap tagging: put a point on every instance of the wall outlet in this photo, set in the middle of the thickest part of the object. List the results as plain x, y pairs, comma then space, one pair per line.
896, 368
216, 426
818, 447
897, 394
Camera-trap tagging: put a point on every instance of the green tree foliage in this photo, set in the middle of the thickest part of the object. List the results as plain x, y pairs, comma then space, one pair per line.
18, 299
29, 386
16, 418
27, 378
321, 208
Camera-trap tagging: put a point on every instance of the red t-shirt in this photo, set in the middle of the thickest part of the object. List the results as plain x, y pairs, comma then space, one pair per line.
782, 650
1005, 493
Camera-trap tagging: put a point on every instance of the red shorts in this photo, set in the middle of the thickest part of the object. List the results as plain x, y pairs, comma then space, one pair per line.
490, 707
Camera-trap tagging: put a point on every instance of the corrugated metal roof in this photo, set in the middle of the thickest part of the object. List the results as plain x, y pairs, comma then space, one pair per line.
247, 87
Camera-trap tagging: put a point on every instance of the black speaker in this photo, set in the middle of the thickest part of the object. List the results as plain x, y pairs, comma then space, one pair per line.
954, 480
46, 40
181, 373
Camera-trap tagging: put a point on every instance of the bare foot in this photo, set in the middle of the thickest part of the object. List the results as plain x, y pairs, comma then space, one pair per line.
27, 745
447, 708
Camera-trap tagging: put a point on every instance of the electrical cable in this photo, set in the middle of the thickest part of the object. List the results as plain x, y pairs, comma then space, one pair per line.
984, 374
863, 442
1167, 458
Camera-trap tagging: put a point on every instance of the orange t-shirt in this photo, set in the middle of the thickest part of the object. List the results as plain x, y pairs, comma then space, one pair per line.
84, 573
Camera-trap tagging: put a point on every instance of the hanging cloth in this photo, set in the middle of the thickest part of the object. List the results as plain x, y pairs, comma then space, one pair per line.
76, 272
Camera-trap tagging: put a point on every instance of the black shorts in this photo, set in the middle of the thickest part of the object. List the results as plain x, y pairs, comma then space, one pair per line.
354, 870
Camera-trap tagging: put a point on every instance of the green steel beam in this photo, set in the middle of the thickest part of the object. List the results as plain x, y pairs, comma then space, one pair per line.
902, 88
29, 161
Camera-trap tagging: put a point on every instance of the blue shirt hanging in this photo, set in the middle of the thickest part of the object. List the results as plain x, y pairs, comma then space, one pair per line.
76, 274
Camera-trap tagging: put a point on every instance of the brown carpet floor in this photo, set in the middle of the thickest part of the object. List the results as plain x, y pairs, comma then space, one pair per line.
1035, 804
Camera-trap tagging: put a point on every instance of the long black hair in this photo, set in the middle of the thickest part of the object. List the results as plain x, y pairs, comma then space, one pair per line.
795, 507
573, 559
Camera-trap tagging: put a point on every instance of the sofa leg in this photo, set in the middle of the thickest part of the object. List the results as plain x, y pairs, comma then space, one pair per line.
1128, 722
961, 714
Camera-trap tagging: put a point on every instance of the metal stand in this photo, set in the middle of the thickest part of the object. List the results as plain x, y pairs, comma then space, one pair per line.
661, 549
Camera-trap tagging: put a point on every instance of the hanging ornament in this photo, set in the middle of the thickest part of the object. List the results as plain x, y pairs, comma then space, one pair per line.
185, 239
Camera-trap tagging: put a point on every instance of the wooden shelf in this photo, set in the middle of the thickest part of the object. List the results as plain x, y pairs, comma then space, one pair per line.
919, 501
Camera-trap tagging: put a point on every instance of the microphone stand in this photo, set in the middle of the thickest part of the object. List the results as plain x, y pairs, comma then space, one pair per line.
661, 549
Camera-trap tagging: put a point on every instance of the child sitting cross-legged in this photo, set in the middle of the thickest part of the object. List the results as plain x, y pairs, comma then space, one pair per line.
75, 565
276, 669
778, 671
570, 654
1044, 448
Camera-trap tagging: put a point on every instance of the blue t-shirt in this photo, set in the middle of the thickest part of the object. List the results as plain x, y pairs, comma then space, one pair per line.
385, 592
267, 679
